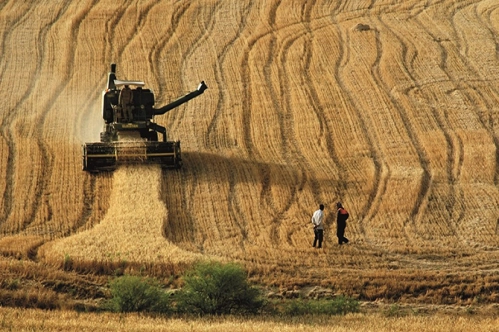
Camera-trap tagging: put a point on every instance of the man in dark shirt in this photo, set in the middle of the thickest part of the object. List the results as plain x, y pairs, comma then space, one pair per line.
341, 223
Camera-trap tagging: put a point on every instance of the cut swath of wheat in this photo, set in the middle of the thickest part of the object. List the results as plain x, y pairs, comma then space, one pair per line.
129, 232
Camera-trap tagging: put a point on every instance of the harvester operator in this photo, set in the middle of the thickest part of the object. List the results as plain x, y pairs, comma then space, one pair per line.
125, 101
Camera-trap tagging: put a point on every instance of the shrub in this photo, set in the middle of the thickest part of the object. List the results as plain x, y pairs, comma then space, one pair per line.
215, 288
68, 263
132, 293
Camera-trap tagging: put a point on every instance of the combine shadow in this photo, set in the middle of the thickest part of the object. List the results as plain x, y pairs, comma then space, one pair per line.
213, 167
178, 186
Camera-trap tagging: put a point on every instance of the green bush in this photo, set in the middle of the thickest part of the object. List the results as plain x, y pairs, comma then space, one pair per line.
132, 294
340, 305
215, 288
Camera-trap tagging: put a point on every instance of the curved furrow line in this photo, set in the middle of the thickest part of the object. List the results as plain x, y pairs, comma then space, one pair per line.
108, 56
6, 32
247, 91
474, 34
467, 88
314, 100
465, 53
109, 50
112, 50
490, 99
265, 193
344, 58
376, 197
247, 104
292, 153
164, 39
234, 209
206, 30
418, 11
455, 153
471, 88
221, 77
7, 126
381, 169
253, 40
2, 5
90, 181
177, 117
486, 17
8, 118
467, 92
281, 101
455, 147
464, 47
409, 127
118, 47
173, 231
140, 15
288, 150
37, 186
453, 142
42, 182
247, 110
454, 164
295, 156
142, 26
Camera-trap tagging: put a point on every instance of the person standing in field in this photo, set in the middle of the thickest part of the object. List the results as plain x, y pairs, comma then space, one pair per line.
318, 222
341, 223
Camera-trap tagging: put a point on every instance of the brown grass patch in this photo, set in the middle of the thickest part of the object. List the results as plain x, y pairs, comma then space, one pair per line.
70, 320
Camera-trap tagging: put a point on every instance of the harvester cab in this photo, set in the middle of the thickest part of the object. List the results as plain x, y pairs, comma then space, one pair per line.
130, 134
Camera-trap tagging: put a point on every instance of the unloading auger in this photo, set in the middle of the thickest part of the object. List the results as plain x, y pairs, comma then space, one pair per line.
130, 134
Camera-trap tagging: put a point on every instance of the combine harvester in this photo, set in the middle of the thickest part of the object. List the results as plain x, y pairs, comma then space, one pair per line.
131, 135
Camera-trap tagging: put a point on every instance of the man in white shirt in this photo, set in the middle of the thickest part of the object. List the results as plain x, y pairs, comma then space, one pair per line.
318, 222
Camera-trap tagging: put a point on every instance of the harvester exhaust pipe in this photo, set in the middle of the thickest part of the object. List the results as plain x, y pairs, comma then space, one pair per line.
111, 77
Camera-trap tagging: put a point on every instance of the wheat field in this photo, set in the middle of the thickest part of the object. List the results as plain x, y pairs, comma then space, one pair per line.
388, 106
38, 320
